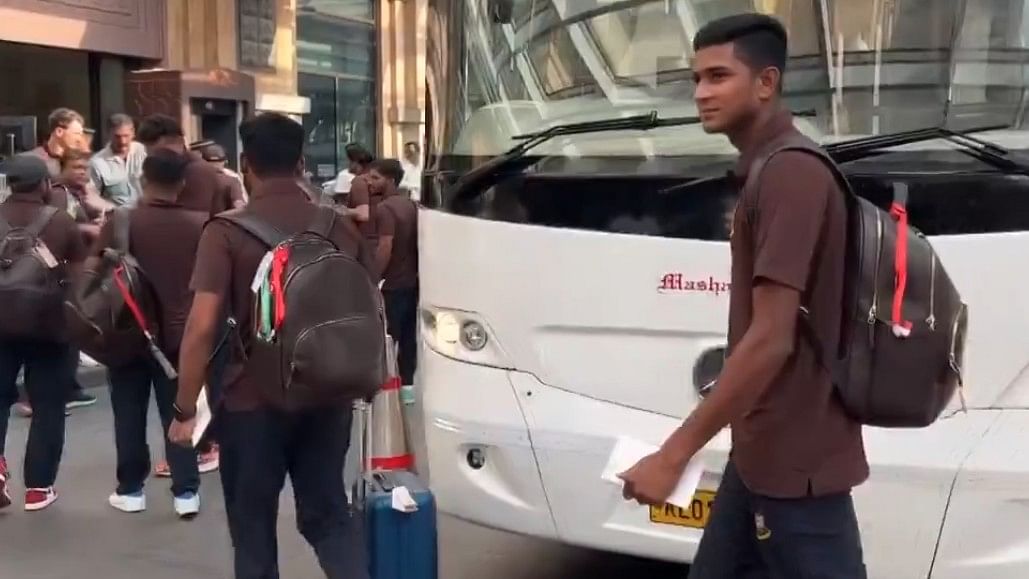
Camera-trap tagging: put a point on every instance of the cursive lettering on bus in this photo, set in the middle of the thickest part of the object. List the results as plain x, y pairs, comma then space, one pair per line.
678, 282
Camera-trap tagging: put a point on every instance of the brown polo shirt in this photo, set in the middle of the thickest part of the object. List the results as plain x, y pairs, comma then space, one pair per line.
207, 189
790, 229
227, 261
163, 237
397, 216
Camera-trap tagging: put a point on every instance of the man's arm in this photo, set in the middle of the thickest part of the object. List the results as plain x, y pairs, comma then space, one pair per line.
359, 201
787, 230
755, 361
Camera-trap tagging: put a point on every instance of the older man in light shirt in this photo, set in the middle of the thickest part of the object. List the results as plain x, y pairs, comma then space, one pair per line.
115, 170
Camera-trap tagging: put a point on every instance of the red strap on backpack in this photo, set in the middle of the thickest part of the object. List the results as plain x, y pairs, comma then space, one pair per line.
279, 260
898, 210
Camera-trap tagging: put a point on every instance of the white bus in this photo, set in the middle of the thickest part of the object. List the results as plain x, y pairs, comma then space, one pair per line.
576, 290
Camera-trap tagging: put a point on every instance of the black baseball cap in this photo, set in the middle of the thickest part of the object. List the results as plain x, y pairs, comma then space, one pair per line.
24, 171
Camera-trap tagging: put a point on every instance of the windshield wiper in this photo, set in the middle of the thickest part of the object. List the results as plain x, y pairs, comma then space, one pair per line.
987, 152
470, 182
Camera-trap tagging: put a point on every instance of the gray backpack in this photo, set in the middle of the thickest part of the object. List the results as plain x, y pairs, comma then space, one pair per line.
32, 282
330, 346
898, 363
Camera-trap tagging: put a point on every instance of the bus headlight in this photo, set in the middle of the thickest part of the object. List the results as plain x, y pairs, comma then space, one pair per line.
460, 335
473, 336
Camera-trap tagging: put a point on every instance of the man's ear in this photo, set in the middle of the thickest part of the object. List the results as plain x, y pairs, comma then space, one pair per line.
769, 83
301, 166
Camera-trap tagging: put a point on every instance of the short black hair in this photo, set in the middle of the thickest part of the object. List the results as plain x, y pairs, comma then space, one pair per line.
165, 168
273, 144
389, 168
119, 120
157, 126
356, 153
758, 40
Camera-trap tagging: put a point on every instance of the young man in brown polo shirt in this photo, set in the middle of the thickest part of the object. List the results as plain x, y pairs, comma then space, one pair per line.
361, 200
206, 189
163, 237
48, 365
261, 444
396, 257
784, 507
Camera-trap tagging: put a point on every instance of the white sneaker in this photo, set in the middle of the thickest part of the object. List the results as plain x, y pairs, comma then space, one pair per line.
135, 503
187, 506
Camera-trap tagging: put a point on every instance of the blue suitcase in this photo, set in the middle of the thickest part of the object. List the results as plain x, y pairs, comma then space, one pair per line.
400, 545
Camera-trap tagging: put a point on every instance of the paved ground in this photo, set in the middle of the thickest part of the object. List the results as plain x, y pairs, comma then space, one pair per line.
81, 536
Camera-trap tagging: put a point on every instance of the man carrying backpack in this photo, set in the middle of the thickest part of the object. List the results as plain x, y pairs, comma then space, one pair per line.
168, 265
784, 506
41, 250
286, 410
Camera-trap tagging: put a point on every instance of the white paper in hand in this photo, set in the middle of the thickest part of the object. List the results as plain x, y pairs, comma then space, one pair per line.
628, 451
203, 417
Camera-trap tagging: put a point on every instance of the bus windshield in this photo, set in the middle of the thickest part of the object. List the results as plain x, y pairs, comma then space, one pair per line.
501, 68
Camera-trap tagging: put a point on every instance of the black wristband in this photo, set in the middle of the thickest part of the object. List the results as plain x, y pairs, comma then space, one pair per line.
182, 416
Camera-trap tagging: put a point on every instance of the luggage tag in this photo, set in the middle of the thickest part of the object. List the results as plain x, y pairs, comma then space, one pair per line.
261, 275
44, 253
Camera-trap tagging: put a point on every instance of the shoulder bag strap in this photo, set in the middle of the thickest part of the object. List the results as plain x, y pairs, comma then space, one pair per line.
40, 222
120, 221
260, 229
803, 144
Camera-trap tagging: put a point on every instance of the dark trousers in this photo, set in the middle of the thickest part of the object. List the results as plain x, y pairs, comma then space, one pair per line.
258, 449
754, 537
402, 322
48, 378
130, 401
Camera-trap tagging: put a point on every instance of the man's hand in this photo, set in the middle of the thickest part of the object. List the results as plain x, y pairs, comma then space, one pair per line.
181, 433
652, 480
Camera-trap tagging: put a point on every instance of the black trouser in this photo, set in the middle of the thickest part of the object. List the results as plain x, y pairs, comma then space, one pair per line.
48, 378
130, 401
755, 537
258, 449
402, 322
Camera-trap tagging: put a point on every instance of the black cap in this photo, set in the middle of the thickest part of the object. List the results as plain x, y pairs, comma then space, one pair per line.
213, 152
24, 170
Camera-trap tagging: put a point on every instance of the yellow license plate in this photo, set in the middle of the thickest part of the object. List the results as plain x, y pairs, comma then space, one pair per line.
695, 516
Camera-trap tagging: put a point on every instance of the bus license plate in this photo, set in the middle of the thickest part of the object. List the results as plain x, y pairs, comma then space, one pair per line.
695, 516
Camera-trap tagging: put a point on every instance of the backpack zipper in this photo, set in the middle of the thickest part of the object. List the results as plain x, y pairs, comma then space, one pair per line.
875, 279
308, 330
931, 320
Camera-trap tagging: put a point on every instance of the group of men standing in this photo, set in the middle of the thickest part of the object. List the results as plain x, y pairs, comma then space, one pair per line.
201, 275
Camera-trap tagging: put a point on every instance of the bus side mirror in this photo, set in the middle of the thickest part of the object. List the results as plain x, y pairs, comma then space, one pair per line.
501, 11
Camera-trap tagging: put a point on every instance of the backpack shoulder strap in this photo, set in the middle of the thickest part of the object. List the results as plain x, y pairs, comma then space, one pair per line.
796, 143
806, 145
260, 229
324, 220
40, 222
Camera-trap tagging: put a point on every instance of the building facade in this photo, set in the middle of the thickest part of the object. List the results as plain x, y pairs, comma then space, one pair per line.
350, 70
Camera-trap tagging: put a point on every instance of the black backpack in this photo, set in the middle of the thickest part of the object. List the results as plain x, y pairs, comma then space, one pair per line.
902, 340
100, 321
32, 282
328, 340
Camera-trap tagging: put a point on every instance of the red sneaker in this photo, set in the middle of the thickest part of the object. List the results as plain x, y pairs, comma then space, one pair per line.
39, 499
5, 495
